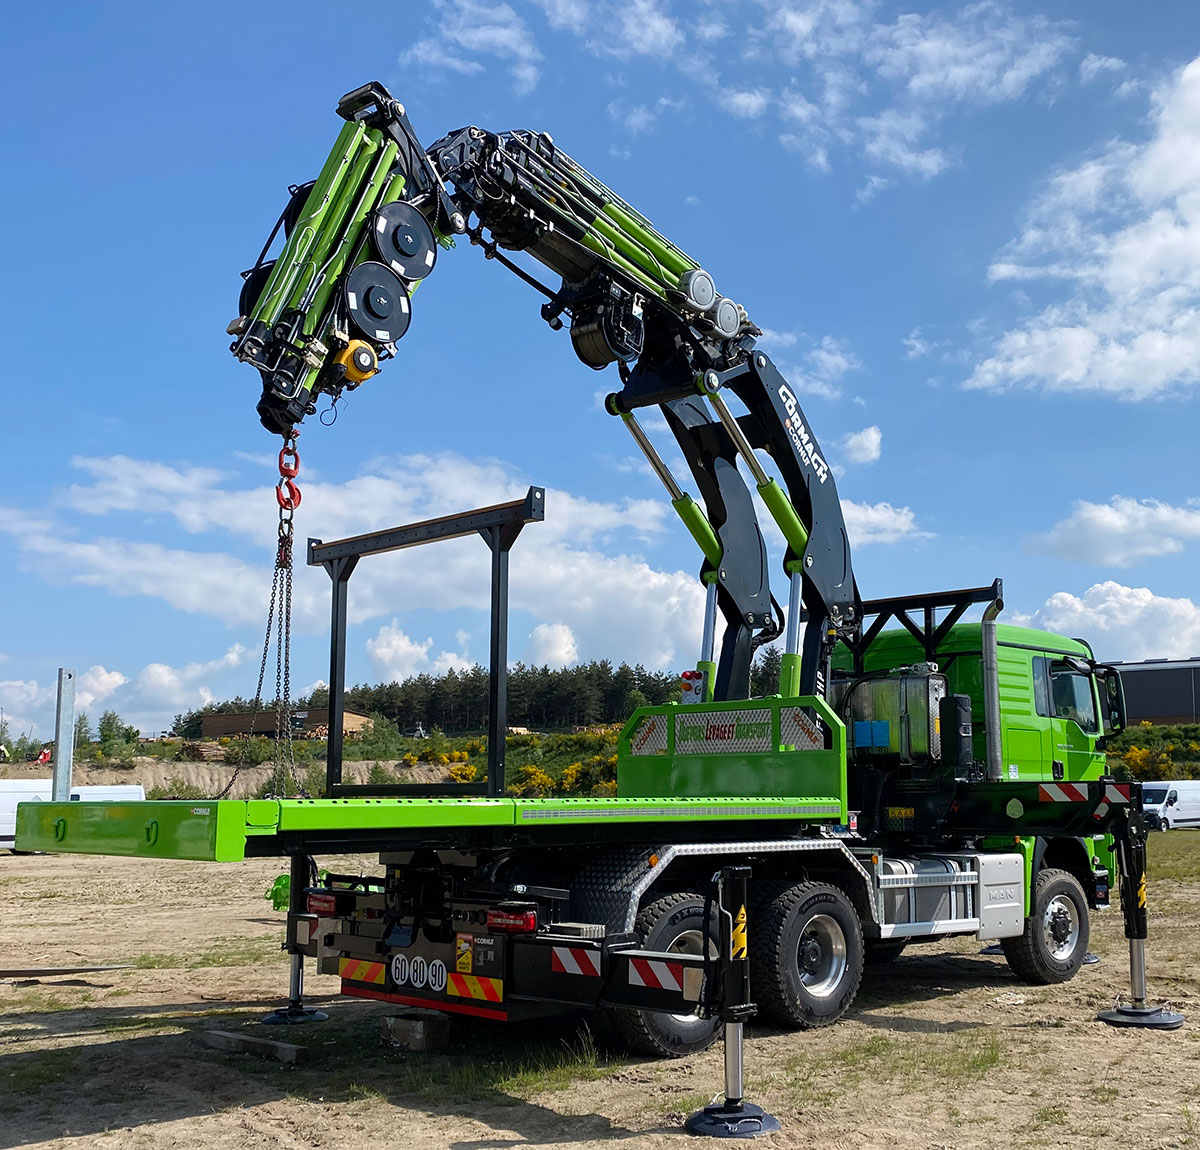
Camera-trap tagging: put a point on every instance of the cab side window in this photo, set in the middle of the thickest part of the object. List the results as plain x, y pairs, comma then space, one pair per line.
1041, 685
1071, 695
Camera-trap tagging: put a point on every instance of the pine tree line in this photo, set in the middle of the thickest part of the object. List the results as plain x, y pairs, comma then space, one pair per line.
541, 698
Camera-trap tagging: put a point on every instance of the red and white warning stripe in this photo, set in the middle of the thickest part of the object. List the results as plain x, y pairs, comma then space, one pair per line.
1062, 793
575, 960
656, 974
1115, 794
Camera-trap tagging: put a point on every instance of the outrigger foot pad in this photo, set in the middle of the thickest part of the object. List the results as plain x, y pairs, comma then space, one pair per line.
725, 1120
1147, 1017
293, 1016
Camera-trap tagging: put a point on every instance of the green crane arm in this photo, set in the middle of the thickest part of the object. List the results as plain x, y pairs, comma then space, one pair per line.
360, 239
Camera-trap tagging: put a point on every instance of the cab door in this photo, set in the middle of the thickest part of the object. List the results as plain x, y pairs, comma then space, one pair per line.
1075, 722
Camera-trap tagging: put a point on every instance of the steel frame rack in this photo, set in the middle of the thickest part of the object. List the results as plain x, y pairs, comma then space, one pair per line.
499, 525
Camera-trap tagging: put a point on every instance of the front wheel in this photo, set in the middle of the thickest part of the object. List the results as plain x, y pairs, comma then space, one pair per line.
806, 955
1055, 940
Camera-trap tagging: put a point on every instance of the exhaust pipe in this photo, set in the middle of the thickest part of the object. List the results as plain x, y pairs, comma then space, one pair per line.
991, 691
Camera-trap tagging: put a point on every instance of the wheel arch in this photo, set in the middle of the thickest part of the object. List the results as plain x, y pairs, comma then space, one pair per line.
627, 879
1073, 855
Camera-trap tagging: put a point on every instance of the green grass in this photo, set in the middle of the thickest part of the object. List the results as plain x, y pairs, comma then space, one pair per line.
950, 1059
234, 951
1050, 1116
25, 1075
1173, 856
346, 1063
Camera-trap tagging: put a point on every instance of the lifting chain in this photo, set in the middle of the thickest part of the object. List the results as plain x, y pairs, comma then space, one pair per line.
279, 623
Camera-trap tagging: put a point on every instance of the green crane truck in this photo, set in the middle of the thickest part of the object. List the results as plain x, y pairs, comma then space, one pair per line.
918, 776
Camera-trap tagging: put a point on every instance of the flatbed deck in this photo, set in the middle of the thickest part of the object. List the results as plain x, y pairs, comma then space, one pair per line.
228, 830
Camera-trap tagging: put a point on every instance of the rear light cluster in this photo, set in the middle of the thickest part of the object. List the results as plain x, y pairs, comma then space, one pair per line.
323, 904
513, 921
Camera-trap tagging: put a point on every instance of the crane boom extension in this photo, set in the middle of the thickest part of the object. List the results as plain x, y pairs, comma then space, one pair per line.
362, 236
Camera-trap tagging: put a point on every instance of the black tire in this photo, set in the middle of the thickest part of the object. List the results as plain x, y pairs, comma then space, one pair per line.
879, 951
1164, 824
806, 955
1055, 941
675, 921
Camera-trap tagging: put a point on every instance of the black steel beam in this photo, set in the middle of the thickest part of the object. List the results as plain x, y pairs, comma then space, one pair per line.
531, 509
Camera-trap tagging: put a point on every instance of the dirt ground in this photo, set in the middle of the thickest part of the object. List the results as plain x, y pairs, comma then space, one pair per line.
210, 778
943, 1048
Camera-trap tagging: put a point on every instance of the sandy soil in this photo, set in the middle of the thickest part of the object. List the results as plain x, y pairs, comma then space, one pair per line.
210, 777
942, 1049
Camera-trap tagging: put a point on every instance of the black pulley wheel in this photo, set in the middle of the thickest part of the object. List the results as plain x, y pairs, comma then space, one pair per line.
252, 287
403, 239
295, 206
377, 302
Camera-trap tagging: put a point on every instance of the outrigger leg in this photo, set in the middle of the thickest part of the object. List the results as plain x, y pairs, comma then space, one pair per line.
734, 1117
296, 1012
1129, 831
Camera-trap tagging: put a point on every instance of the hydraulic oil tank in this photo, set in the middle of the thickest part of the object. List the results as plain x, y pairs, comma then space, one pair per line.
893, 718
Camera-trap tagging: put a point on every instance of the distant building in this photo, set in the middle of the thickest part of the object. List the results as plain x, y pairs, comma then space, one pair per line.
311, 722
1164, 691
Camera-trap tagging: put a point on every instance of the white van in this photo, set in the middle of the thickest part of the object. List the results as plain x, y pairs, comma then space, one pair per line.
1170, 805
13, 791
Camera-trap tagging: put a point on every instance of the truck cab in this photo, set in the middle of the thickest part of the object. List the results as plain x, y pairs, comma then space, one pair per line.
1056, 704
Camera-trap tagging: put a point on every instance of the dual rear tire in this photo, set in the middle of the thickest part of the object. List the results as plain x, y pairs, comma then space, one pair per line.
806, 960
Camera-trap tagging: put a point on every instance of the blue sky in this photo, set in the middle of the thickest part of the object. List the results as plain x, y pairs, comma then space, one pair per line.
971, 232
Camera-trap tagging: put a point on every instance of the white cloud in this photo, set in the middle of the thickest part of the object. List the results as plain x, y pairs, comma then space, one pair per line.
159, 685
880, 523
28, 706
394, 656
577, 564
145, 701
893, 139
96, 684
1121, 233
1092, 66
820, 370
1125, 622
571, 15
745, 103
638, 118
553, 645
916, 345
471, 26
863, 446
982, 54
1124, 531
885, 86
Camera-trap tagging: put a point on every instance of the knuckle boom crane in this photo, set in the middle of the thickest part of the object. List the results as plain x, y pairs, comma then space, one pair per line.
362, 237
887, 793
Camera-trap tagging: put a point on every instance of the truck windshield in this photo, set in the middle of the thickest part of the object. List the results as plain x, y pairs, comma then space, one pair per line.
1153, 794
1073, 697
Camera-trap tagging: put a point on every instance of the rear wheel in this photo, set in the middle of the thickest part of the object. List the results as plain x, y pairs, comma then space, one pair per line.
675, 924
1055, 940
806, 955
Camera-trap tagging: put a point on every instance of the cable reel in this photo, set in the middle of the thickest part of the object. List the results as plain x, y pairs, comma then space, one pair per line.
359, 362
377, 302
403, 240
611, 329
